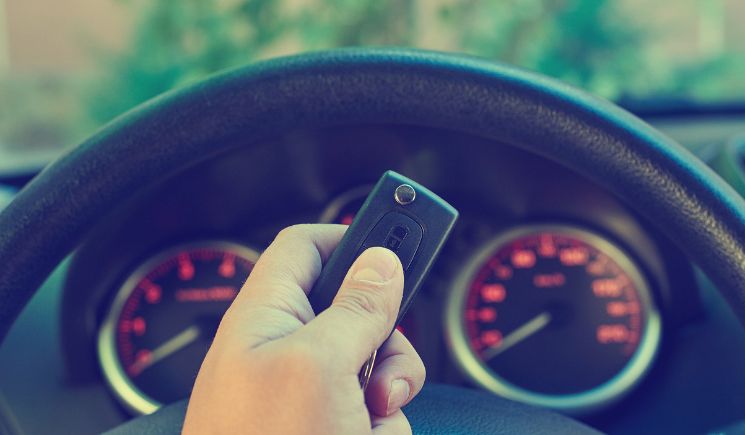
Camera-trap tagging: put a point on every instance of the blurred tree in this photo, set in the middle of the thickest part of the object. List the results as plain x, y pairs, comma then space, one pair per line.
178, 41
599, 45
342, 23
589, 43
585, 42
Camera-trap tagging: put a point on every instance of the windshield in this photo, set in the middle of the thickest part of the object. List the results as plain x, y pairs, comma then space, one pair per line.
68, 67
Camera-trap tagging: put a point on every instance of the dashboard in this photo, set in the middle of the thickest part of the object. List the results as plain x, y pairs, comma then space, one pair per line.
550, 291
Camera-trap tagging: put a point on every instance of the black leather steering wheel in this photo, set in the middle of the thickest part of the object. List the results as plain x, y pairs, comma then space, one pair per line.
656, 176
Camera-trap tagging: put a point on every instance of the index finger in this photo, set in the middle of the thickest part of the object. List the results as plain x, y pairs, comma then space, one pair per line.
284, 274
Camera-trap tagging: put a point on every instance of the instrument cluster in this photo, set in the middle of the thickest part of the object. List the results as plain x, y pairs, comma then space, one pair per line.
550, 314
550, 290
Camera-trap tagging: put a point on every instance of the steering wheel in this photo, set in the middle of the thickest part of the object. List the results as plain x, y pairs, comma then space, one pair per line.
655, 175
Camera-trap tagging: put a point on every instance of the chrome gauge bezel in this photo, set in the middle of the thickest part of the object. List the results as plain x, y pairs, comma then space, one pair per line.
582, 403
126, 392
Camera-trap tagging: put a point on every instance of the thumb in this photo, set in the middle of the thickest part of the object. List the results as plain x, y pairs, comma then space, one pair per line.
363, 312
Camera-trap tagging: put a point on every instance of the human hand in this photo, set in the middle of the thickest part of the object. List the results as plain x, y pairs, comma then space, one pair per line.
276, 367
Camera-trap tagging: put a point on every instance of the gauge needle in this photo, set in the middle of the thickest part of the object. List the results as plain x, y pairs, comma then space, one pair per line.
521, 333
172, 345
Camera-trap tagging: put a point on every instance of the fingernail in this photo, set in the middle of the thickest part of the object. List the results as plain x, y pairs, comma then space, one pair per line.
398, 396
376, 265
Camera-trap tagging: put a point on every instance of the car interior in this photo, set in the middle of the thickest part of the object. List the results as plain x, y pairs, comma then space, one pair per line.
596, 273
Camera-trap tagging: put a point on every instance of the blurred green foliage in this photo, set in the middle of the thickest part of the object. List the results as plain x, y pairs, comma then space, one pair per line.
179, 41
585, 42
595, 44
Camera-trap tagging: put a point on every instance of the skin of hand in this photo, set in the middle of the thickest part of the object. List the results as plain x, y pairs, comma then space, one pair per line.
276, 368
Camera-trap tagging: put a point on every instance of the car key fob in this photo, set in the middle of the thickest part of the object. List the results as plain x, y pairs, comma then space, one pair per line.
402, 216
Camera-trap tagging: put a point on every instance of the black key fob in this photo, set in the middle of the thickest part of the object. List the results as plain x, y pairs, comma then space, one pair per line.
402, 216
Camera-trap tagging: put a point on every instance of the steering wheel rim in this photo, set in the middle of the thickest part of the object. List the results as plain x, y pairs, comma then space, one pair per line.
666, 183
435, 411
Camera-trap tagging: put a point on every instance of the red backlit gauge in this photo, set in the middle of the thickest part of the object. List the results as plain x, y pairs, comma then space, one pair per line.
554, 316
163, 318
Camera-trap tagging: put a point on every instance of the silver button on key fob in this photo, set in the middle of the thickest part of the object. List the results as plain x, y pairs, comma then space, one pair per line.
402, 216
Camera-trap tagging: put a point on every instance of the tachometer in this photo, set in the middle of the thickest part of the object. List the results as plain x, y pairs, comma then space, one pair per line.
163, 318
554, 316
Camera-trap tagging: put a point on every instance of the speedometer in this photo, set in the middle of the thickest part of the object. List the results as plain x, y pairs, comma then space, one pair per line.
555, 316
163, 318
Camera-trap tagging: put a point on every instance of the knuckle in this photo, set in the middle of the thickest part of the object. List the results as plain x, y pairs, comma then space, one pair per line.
363, 302
293, 232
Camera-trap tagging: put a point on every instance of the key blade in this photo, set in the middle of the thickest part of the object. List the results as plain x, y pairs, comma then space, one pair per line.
366, 371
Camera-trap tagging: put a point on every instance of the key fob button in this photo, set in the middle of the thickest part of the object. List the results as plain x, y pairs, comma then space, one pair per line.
397, 232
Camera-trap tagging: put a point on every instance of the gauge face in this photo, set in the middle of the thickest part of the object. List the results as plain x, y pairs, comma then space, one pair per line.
554, 316
163, 318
